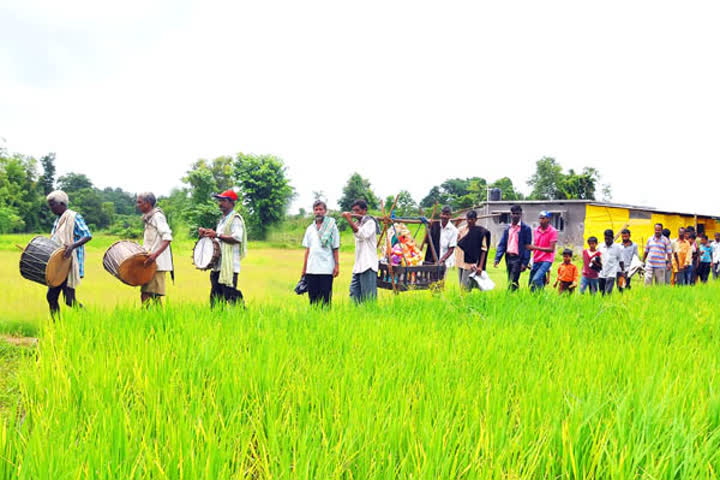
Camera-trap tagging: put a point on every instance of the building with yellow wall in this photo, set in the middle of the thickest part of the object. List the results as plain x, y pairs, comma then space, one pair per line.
576, 220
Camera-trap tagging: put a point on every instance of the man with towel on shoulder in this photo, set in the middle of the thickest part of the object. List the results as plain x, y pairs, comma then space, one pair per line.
156, 240
71, 231
232, 235
321, 264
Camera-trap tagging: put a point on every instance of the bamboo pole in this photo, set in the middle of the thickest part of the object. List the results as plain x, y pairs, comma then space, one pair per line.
387, 251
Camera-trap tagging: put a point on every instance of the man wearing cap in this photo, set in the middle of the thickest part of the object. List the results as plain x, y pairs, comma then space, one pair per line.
513, 245
71, 231
545, 239
232, 235
156, 240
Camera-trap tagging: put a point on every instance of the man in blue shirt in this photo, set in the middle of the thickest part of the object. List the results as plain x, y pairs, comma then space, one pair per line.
71, 231
513, 245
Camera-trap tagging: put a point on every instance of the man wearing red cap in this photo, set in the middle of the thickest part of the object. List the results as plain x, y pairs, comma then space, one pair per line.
232, 235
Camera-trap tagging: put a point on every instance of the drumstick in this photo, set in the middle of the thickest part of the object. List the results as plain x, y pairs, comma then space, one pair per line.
20, 247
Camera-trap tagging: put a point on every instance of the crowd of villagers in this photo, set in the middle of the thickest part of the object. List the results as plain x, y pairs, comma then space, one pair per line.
679, 261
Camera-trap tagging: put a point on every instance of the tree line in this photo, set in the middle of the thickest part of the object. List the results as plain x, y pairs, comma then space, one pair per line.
549, 182
263, 187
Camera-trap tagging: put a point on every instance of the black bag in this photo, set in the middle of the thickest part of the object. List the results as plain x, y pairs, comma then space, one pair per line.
302, 286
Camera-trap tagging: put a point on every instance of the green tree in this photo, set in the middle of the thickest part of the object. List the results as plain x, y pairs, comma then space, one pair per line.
123, 202
266, 190
19, 191
457, 192
580, 185
72, 182
435, 195
47, 179
547, 180
550, 183
222, 170
358, 188
201, 210
174, 206
405, 206
88, 203
10, 221
46, 184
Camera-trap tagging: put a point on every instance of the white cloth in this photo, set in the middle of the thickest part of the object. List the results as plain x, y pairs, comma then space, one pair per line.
483, 281
366, 248
320, 259
65, 234
715, 252
157, 231
448, 239
236, 230
610, 257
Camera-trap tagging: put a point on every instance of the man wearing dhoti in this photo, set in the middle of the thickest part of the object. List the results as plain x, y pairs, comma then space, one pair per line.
156, 240
71, 231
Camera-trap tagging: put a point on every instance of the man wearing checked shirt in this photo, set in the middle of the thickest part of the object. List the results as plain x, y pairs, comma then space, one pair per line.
71, 231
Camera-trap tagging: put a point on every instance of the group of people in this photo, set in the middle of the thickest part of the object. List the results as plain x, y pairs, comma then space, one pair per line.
71, 231
681, 261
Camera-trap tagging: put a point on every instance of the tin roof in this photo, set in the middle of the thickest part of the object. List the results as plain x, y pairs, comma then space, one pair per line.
593, 202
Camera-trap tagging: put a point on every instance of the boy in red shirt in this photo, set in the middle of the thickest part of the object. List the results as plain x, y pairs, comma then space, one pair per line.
567, 274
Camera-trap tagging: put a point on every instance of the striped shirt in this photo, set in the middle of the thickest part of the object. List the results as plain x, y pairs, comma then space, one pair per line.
658, 250
81, 230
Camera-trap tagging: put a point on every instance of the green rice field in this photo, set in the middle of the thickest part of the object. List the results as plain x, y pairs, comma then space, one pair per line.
420, 385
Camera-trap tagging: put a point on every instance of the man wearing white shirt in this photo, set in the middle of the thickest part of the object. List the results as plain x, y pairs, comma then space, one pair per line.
444, 236
156, 240
321, 242
364, 275
232, 235
611, 254
716, 256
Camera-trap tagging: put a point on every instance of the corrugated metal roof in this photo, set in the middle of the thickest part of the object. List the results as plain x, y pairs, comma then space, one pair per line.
594, 202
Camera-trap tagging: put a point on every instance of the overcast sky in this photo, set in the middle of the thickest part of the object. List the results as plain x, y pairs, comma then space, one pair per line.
407, 93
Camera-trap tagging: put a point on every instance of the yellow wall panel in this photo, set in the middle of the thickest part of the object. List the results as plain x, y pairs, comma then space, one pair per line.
600, 218
710, 227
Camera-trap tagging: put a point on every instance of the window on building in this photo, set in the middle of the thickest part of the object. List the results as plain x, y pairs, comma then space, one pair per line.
640, 215
557, 221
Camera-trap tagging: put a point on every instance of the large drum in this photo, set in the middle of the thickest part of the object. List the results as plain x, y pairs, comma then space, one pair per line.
206, 253
43, 261
126, 261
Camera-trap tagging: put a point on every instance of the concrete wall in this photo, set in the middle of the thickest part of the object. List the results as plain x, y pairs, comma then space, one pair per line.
573, 215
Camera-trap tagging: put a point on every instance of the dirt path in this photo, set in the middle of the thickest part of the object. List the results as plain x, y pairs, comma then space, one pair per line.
20, 341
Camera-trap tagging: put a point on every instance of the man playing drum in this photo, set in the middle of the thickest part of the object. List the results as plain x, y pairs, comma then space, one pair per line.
232, 234
156, 240
70, 230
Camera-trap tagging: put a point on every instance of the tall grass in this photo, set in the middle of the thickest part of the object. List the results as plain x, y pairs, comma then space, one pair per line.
451, 386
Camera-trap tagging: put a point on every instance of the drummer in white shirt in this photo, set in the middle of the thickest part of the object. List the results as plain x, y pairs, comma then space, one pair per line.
232, 235
156, 240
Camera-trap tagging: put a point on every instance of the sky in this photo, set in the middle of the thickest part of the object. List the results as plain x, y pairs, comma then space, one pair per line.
407, 93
